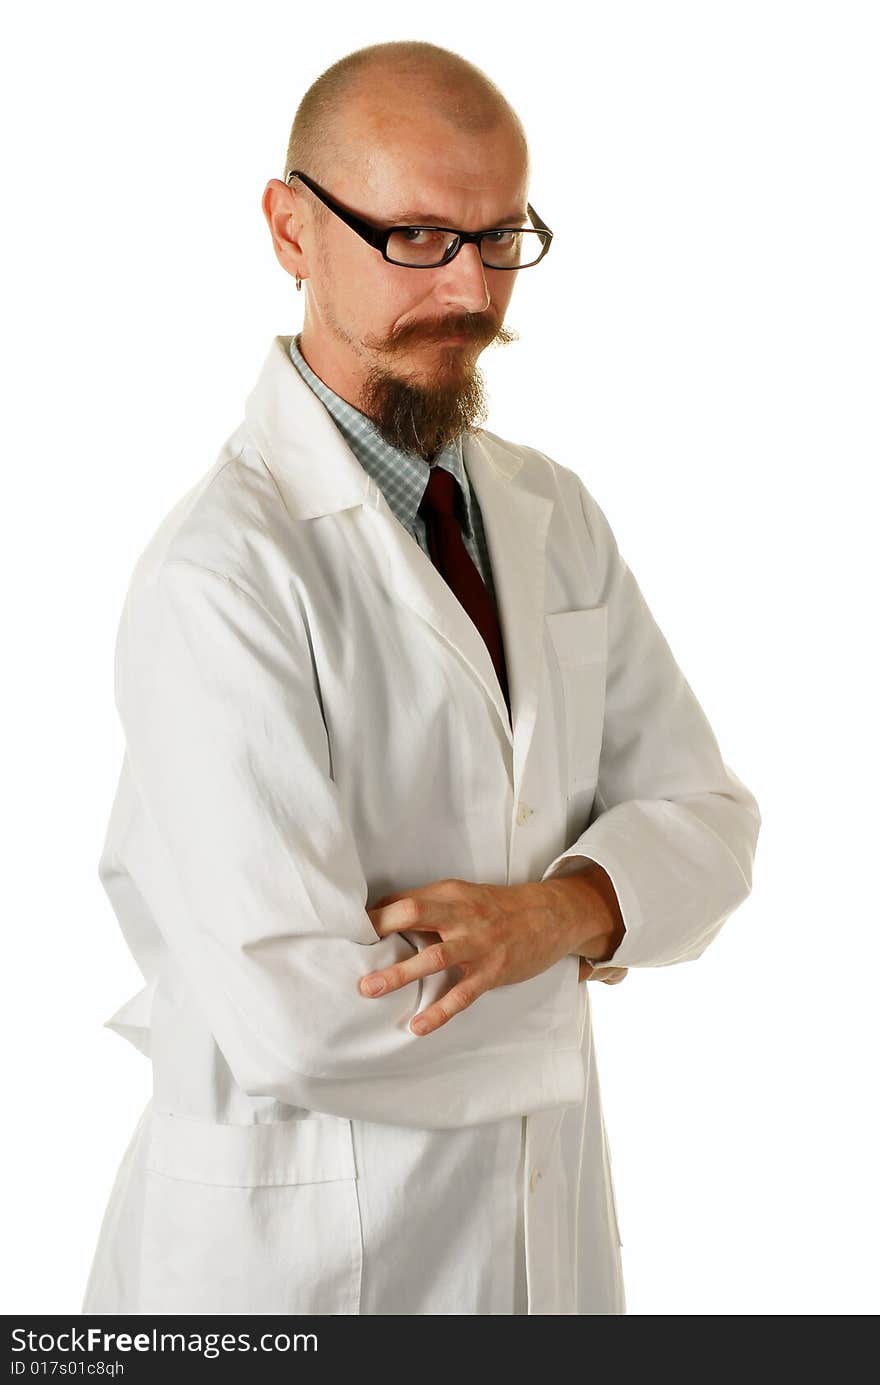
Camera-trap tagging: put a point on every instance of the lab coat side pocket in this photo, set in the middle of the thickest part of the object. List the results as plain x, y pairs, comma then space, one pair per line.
251, 1219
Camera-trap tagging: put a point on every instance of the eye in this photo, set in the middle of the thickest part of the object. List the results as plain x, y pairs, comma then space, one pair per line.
501, 237
413, 232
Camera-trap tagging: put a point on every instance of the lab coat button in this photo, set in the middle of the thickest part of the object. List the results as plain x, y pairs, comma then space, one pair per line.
533, 1179
523, 812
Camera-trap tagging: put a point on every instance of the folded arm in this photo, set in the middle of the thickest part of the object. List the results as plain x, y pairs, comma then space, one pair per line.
253, 876
673, 827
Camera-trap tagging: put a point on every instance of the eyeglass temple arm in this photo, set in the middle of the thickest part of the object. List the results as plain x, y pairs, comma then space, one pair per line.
536, 220
366, 232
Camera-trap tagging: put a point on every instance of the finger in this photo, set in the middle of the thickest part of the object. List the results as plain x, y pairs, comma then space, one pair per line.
406, 913
385, 899
438, 1014
427, 962
612, 976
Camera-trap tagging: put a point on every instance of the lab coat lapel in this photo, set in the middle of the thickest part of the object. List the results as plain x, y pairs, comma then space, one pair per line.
317, 473
516, 521
315, 470
412, 578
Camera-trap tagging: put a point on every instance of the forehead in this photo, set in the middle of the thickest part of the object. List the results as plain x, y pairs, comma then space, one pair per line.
446, 195
423, 216
422, 169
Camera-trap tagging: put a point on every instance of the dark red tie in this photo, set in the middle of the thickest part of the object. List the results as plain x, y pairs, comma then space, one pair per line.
452, 560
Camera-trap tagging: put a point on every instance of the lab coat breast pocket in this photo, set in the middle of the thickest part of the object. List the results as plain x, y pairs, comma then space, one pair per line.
251, 1219
580, 645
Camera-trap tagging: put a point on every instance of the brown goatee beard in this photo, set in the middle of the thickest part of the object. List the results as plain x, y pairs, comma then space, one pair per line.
423, 419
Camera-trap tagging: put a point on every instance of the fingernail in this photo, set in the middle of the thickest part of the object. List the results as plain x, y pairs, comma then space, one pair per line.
373, 987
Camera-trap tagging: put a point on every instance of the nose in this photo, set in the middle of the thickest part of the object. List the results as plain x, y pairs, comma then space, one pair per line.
464, 281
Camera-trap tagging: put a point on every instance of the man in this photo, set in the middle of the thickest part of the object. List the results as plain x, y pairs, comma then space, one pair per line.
395, 711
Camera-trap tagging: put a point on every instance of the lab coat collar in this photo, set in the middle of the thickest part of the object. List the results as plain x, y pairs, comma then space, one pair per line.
316, 469
318, 474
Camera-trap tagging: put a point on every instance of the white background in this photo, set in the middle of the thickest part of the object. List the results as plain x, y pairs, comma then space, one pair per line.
701, 345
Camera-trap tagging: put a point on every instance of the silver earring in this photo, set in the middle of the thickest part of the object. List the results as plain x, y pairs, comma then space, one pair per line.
299, 282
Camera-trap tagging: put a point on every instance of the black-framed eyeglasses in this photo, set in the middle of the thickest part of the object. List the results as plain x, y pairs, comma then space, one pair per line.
504, 247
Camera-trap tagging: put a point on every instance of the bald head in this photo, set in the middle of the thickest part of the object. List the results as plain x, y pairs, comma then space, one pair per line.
359, 108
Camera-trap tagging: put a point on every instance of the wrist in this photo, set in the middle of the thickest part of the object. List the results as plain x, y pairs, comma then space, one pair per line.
590, 911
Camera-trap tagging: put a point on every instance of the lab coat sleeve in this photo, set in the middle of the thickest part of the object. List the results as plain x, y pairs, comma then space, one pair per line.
672, 825
253, 877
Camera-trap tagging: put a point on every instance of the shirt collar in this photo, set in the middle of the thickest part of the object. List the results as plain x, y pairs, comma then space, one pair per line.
401, 475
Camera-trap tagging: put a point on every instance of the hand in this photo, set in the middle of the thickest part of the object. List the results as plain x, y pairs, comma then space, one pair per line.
493, 935
610, 975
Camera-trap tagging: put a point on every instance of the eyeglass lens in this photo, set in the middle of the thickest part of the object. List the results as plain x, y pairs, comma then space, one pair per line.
499, 249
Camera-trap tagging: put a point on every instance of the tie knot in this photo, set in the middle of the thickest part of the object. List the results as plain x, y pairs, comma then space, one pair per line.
440, 492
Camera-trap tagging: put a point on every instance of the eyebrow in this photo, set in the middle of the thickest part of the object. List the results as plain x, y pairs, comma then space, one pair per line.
424, 218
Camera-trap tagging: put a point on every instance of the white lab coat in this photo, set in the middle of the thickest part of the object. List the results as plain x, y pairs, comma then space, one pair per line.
312, 721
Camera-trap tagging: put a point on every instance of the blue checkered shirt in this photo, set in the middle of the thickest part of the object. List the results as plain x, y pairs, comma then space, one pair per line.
402, 476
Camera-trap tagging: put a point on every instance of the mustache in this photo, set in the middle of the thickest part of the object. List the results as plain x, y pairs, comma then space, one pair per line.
480, 330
